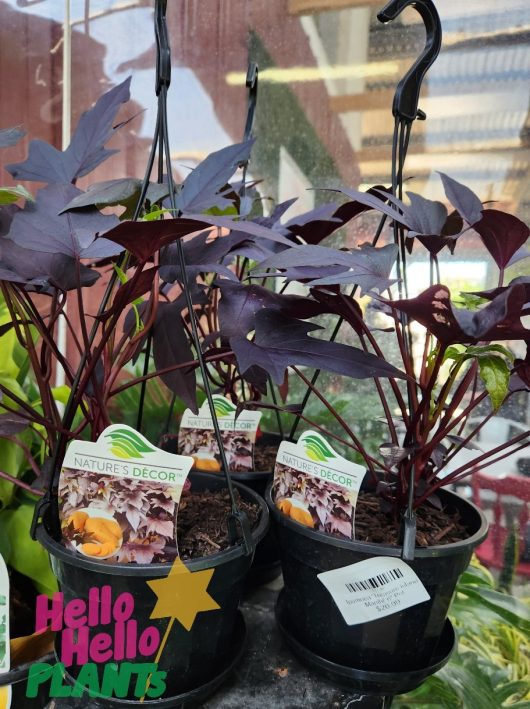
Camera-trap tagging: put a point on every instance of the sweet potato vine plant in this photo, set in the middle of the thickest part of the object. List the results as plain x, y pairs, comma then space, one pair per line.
441, 396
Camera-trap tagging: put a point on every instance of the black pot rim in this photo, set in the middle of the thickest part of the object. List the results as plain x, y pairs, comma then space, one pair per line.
68, 556
20, 673
205, 690
438, 550
252, 475
373, 682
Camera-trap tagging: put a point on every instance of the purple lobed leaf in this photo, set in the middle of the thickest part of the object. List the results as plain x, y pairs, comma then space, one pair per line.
11, 424
170, 347
10, 136
86, 150
239, 305
281, 341
502, 234
463, 199
200, 188
41, 227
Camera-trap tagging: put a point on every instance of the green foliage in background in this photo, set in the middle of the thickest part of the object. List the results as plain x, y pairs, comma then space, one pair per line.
491, 667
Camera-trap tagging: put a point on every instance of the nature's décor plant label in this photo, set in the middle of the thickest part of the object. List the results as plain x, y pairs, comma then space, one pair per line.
119, 496
374, 588
5, 692
197, 436
316, 486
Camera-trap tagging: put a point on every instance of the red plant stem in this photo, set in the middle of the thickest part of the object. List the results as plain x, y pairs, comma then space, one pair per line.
31, 460
468, 468
367, 458
192, 364
329, 434
20, 483
406, 361
425, 358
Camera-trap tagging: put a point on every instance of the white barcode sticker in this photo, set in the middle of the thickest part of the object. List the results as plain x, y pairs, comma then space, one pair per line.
373, 588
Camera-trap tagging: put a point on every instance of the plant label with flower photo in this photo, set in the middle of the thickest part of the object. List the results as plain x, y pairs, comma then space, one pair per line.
374, 588
119, 497
197, 436
317, 487
5, 659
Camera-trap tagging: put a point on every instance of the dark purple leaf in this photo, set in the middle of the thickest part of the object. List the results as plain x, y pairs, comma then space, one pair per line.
243, 227
367, 266
454, 224
519, 255
86, 150
463, 199
343, 305
425, 216
520, 375
393, 454
40, 227
239, 305
171, 347
316, 225
11, 424
502, 234
371, 201
110, 192
499, 320
129, 291
39, 270
281, 341
494, 292
200, 188
10, 136
143, 239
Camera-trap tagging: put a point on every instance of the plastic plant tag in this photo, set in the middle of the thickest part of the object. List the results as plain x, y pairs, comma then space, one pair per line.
5, 659
197, 438
374, 588
315, 486
119, 497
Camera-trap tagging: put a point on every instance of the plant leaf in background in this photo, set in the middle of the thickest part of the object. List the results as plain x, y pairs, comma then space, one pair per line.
463, 199
494, 369
86, 150
200, 188
502, 234
143, 239
239, 304
367, 266
41, 228
499, 320
10, 137
27, 557
9, 195
170, 347
281, 341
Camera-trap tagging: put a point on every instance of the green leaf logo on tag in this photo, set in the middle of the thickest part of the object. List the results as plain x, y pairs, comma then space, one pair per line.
223, 407
317, 448
126, 443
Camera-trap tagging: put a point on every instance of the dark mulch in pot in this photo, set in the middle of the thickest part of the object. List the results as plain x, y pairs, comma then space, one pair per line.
265, 458
202, 522
434, 526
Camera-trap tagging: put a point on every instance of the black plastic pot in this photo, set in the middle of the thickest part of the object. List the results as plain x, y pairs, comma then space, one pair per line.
18, 679
401, 642
186, 700
191, 659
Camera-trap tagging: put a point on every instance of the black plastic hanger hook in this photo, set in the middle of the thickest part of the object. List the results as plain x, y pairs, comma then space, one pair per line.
407, 94
252, 86
163, 53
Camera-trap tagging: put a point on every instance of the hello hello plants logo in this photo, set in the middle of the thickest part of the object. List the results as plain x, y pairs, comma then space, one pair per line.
101, 633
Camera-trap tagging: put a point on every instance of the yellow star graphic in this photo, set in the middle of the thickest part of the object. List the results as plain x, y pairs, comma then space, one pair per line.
182, 594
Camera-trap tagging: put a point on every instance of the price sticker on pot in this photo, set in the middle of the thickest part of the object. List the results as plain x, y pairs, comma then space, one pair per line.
197, 436
373, 589
119, 496
317, 487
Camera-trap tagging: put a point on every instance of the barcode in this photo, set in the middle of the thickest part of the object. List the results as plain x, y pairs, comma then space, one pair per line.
375, 582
